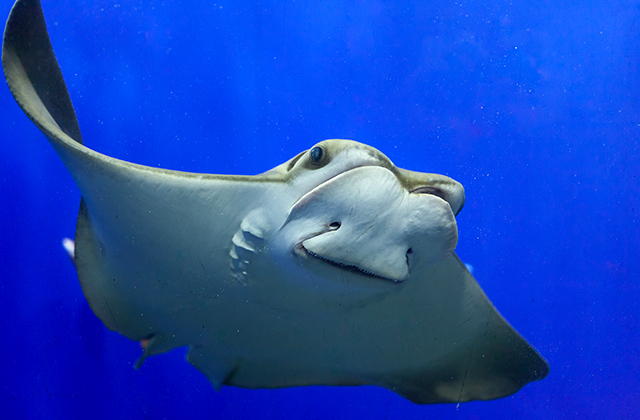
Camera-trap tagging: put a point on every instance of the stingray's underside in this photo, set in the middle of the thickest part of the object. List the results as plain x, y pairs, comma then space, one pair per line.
187, 259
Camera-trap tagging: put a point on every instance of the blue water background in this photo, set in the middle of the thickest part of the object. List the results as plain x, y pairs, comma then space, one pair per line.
532, 105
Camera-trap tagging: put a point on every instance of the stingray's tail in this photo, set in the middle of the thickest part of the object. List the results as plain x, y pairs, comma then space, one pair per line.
33, 74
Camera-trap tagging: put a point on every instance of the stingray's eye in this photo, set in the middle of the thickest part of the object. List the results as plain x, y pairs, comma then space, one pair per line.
316, 154
317, 158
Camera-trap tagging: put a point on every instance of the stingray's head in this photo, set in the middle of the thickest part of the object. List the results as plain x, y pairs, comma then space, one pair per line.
358, 212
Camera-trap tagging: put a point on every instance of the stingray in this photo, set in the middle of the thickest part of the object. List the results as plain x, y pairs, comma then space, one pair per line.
334, 268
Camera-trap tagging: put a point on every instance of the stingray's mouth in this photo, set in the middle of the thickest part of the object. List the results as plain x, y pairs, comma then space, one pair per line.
300, 250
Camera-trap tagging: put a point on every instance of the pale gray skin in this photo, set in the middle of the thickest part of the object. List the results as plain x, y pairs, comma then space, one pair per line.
331, 271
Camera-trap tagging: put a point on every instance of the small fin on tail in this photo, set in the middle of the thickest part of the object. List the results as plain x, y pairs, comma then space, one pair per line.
147, 344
